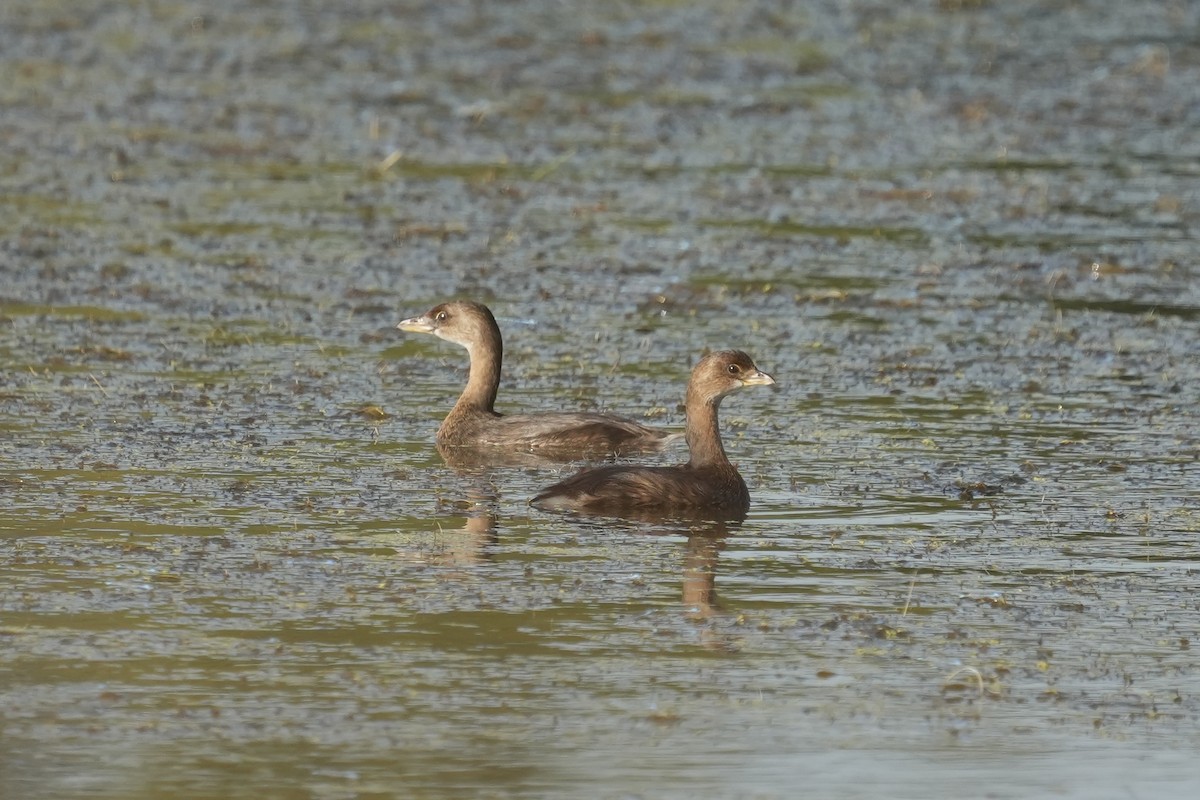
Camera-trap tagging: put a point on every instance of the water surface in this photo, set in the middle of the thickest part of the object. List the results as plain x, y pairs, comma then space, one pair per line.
960, 235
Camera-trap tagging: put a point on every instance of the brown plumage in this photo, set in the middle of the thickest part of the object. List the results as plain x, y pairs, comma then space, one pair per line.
708, 483
474, 422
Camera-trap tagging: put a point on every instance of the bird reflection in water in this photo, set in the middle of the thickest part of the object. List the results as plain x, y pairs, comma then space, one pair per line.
705, 532
473, 542
700, 573
705, 536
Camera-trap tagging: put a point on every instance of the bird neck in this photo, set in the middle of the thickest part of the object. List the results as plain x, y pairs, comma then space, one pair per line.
704, 434
483, 376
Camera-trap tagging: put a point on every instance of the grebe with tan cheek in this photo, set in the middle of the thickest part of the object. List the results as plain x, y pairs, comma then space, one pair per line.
474, 422
707, 483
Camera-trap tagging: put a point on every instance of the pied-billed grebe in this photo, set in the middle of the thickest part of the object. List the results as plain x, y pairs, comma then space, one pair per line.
707, 483
474, 422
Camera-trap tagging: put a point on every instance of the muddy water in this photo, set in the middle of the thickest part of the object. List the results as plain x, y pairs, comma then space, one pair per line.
961, 235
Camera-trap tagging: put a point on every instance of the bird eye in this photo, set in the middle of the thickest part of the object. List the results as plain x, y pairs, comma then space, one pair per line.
734, 369
441, 316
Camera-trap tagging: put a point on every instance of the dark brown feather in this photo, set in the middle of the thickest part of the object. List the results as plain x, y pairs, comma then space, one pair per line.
708, 482
619, 488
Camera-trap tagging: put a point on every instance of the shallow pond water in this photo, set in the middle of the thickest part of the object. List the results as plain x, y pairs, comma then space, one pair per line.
962, 236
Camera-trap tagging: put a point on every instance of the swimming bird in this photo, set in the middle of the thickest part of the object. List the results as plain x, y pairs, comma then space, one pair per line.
474, 423
708, 483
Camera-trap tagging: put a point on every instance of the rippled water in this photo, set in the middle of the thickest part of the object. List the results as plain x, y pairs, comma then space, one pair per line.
960, 235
